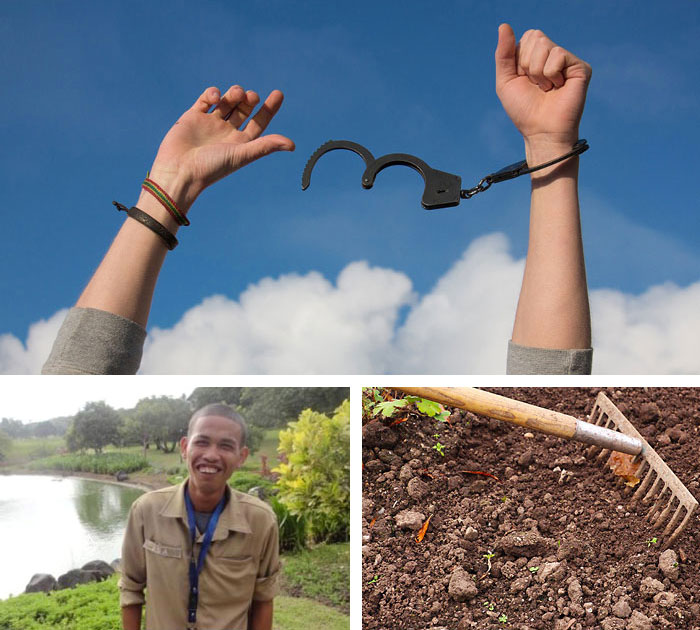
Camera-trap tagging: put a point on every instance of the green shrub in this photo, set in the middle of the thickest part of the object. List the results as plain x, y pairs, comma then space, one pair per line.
292, 528
103, 463
315, 480
243, 481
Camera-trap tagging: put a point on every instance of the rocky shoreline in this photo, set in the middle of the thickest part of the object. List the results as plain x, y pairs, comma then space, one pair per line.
140, 481
93, 571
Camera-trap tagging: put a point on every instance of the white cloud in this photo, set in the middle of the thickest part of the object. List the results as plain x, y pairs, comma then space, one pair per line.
17, 357
307, 324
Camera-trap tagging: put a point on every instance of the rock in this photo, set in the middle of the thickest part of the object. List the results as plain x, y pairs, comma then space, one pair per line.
650, 587
406, 473
612, 623
526, 458
520, 584
575, 592
552, 571
663, 440
77, 576
121, 476
417, 488
621, 608
639, 621
471, 533
509, 570
462, 586
375, 434
41, 583
668, 564
116, 564
665, 599
649, 413
100, 567
408, 519
523, 544
564, 623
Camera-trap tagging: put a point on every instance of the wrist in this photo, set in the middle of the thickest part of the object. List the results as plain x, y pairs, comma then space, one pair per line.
180, 189
544, 148
152, 207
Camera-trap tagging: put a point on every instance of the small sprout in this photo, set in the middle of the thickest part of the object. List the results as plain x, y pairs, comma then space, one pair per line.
436, 435
489, 605
488, 557
675, 564
374, 580
558, 543
440, 448
651, 541
504, 498
534, 569
503, 618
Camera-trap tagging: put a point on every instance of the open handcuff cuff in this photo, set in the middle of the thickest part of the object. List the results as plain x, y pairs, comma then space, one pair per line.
442, 190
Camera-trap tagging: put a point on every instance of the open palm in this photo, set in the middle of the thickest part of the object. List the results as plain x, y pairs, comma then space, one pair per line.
202, 147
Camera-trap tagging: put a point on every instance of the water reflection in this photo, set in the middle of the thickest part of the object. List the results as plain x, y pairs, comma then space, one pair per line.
54, 524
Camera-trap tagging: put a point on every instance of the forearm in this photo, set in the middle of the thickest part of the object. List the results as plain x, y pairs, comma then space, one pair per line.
126, 278
260, 615
553, 310
131, 617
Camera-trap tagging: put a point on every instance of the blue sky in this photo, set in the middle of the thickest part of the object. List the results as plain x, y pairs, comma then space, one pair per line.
91, 88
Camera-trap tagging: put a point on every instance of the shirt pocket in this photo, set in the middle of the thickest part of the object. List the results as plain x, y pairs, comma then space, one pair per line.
165, 551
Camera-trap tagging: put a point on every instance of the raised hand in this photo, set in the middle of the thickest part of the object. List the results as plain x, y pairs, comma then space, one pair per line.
202, 147
541, 86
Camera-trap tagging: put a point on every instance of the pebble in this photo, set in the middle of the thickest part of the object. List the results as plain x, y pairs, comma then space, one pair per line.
650, 587
639, 621
668, 564
462, 587
622, 609
408, 519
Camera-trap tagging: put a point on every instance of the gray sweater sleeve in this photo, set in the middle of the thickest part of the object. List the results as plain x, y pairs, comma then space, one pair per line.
526, 360
91, 341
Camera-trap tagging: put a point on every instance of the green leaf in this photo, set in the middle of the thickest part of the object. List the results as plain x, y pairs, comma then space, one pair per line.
429, 407
388, 407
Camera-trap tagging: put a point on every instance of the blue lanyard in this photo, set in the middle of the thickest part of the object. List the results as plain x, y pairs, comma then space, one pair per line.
195, 570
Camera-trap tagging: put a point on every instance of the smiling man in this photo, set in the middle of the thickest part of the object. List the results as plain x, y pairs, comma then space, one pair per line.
206, 555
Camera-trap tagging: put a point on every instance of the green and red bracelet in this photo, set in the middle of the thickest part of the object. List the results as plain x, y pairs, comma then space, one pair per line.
153, 188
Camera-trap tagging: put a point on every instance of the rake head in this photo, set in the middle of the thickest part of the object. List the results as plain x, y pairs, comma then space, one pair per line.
671, 502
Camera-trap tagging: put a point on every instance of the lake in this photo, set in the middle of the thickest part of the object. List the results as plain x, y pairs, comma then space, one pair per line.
54, 524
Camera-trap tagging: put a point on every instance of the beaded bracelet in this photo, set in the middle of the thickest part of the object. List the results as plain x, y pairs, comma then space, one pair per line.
153, 188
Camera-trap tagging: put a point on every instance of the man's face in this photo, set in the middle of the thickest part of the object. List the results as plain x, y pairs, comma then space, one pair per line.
213, 451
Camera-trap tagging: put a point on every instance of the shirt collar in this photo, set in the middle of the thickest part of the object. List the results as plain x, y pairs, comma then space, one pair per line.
232, 517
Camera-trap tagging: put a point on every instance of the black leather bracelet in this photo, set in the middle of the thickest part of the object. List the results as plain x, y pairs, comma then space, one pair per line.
153, 225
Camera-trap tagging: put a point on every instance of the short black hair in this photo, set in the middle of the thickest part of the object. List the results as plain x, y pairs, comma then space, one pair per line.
224, 411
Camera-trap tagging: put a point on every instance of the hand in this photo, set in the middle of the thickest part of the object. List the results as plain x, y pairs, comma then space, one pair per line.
542, 87
202, 148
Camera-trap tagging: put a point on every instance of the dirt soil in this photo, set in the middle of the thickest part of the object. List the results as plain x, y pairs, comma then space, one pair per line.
566, 549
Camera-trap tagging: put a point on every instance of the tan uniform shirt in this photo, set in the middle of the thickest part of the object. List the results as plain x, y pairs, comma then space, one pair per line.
242, 564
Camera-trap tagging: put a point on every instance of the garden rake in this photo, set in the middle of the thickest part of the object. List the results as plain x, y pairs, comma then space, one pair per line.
607, 431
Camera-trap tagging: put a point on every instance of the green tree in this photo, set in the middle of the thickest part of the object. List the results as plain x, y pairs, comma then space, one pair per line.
277, 406
159, 419
5, 445
315, 480
202, 396
94, 427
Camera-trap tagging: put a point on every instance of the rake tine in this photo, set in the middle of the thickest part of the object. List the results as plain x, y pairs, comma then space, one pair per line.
681, 527
659, 485
674, 519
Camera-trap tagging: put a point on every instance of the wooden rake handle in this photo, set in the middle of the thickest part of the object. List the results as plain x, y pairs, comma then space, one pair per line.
528, 416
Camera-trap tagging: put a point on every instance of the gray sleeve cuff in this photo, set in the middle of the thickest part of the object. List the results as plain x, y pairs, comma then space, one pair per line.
91, 341
526, 360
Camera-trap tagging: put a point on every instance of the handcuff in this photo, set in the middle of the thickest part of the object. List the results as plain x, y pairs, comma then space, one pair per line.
442, 190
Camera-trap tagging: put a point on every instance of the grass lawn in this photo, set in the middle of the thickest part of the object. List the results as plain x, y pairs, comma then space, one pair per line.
321, 573
96, 607
27, 450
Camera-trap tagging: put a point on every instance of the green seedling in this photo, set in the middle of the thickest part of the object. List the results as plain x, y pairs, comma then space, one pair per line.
488, 557
440, 448
503, 618
651, 541
504, 498
374, 580
534, 569
489, 605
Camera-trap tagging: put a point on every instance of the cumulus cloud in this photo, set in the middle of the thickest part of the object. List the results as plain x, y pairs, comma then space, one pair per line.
370, 321
17, 357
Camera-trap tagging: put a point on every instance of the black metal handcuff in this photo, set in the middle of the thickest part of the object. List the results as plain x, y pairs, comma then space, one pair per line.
442, 190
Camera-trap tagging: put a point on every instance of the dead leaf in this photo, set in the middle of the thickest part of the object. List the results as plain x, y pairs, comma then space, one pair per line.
423, 529
372, 522
623, 465
478, 472
398, 421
